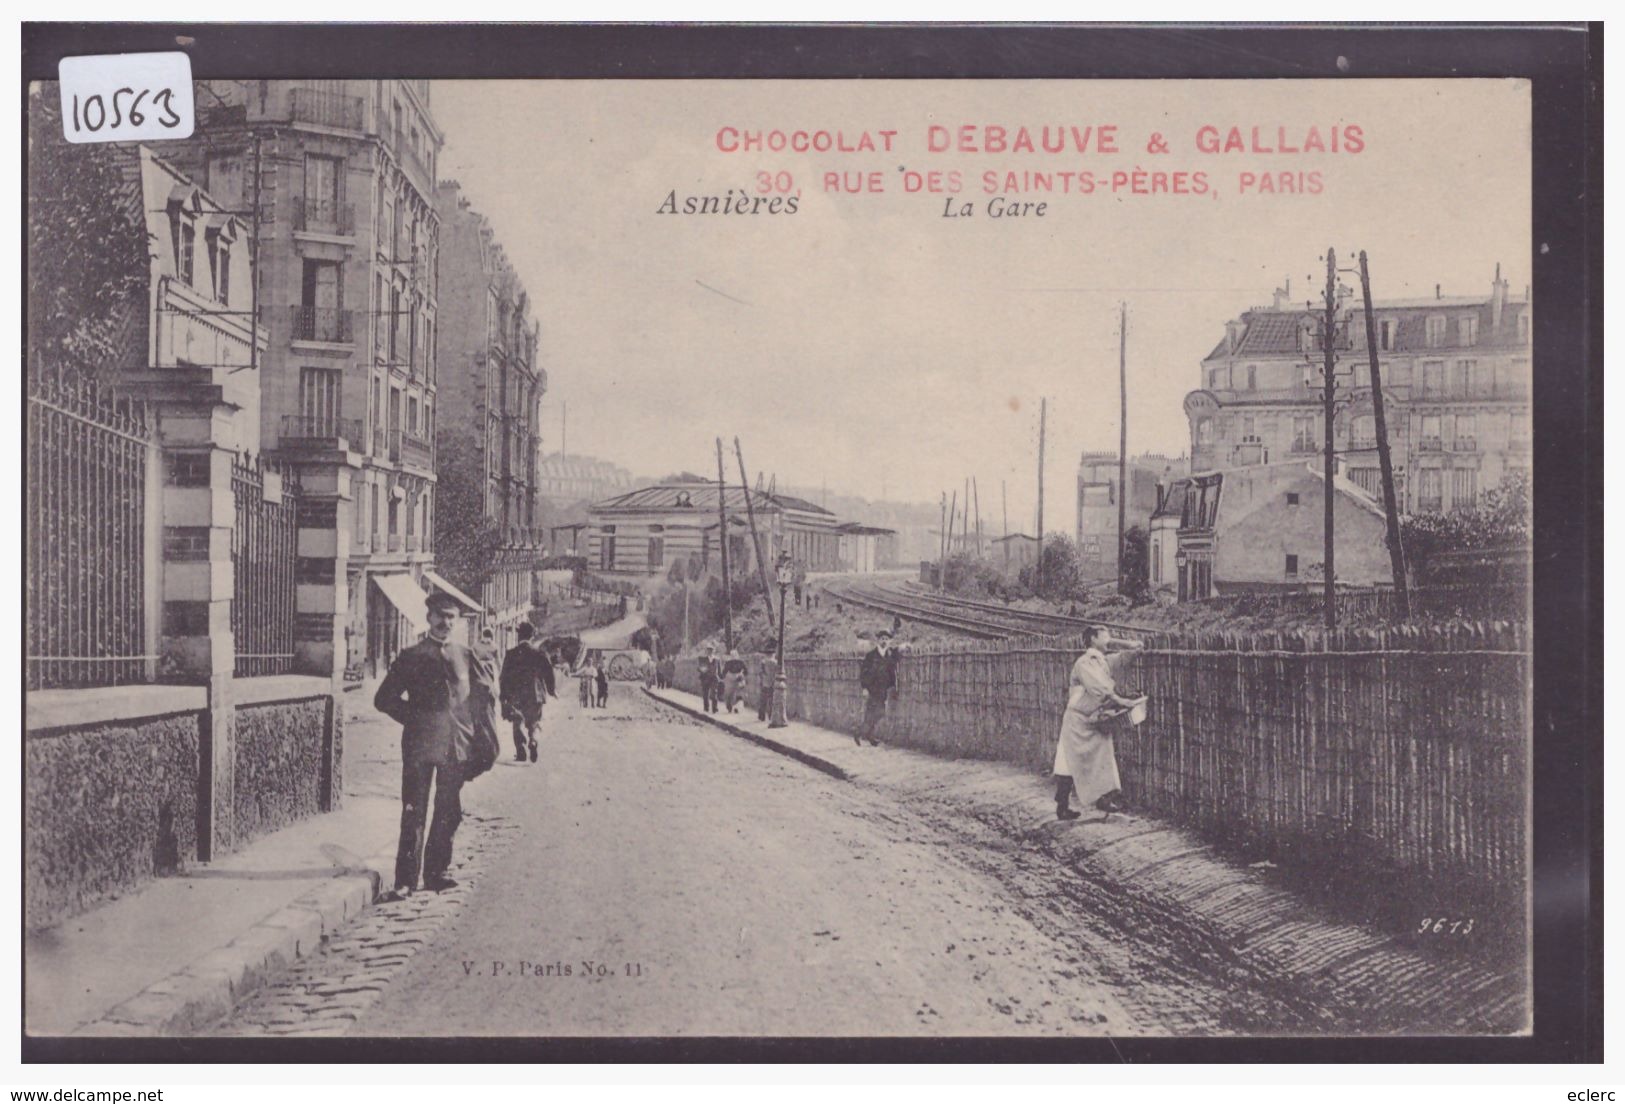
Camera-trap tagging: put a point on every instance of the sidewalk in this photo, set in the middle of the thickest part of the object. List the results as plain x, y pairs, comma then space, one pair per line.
1151, 872
179, 951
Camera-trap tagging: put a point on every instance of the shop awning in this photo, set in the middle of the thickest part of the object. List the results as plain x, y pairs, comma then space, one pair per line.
405, 595
439, 583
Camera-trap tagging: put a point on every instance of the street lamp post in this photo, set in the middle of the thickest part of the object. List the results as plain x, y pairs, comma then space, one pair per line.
780, 687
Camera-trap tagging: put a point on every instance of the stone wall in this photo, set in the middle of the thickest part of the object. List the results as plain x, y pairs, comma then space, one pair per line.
280, 771
106, 806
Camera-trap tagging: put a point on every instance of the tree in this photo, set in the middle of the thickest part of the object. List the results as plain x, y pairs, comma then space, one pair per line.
466, 538
1062, 574
89, 262
1135, 570
1473, 541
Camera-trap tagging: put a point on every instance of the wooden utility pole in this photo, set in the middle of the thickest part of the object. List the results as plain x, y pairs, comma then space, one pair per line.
1328, 341
978, 492
1004, 502
1396, 550
1038, 564
1122, 438
964, 523
727, 579
755, 540
953, 516
942, 542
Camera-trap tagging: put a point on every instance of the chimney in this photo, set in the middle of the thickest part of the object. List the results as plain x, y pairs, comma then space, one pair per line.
1283, 296
1232, 335
1498, 300
1438, 291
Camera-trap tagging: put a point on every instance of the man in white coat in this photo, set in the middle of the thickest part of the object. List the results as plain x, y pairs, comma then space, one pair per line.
1084, 758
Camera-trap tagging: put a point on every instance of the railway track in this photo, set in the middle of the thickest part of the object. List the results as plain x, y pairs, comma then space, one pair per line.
981, 620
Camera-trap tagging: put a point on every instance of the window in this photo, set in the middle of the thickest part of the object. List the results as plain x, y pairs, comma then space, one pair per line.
1303, 433
1431, 431
1292, 498
1464, 379
1430, 490
1363, 431
657, 546
1467, 330
375, 513
1219, 378
1387, 331
393, 345
1463, 489
1204, 431
412, 414
321, 299
219, 265
1291, 566
1432, 379
322, 176
185, 247
1466, 439
1252, 377
606, 548
394, 517
1523, 327
1435, 331
319, 400
1518, 429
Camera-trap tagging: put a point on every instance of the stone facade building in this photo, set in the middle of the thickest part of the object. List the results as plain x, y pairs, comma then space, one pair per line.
342, 173
491, 396
1097, 504
1456, 375
1261, 527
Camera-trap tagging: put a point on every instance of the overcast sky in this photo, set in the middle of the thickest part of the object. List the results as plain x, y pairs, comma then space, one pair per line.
871, 343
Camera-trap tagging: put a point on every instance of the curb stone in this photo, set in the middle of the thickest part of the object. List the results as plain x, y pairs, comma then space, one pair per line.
209, 988
807, 757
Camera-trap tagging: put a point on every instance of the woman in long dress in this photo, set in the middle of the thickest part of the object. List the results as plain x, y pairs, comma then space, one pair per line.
1084, 758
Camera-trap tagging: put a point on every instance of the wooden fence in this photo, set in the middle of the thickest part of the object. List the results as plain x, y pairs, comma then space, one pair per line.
1403, 749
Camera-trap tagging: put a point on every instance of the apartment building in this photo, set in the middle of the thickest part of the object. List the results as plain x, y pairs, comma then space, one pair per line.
1456, 374
338, 179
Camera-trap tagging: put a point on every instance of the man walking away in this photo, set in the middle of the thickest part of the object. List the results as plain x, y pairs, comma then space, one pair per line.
601, 672
426, 691
527, 680
878, 677
710, 675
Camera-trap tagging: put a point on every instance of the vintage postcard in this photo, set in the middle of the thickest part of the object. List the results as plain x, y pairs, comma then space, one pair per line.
506, 558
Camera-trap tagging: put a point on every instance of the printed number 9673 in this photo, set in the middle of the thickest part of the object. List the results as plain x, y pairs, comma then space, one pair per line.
1444, 925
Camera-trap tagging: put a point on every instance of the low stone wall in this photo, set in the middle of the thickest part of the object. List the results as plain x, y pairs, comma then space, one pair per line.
107, 806
112, 781
280, 756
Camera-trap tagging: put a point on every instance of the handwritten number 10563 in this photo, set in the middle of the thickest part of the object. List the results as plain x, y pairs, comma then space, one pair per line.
780, 182
1443, 925
126, 104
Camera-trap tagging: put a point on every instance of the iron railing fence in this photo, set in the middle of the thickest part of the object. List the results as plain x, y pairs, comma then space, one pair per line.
88, 453
263, 551
331, 325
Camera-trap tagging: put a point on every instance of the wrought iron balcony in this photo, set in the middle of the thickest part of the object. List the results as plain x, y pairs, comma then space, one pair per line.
321, 427
322, 216
1300, 446
325, 324
1430, 444
394, 542
1465, 444
334, 109
416, 450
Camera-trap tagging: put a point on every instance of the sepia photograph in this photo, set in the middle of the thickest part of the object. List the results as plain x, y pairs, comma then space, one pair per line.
506, 558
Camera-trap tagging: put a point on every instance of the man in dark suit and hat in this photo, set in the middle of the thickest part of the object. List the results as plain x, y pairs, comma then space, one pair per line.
878, 677
427, 691
527, 680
